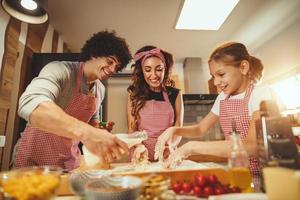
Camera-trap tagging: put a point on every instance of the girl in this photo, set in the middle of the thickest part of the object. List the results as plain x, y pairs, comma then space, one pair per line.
235, 73
153, 103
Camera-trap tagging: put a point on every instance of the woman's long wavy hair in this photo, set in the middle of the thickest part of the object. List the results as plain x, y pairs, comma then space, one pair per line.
139, 89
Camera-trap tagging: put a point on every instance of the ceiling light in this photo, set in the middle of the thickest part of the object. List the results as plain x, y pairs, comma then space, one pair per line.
29, 4
24, 10
204, 14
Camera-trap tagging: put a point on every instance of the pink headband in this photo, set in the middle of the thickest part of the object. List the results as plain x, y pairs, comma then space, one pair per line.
156, 52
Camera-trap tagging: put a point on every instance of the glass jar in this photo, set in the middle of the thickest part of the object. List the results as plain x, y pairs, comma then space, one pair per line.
239, 172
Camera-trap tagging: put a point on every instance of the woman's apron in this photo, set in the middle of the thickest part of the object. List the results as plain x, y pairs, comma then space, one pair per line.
237, 110
38, 147
155, 118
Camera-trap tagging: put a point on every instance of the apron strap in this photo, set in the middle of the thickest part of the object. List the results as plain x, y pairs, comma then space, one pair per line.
78, 78
166, 96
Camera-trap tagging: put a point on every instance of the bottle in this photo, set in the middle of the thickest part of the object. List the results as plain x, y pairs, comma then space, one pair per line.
239, 172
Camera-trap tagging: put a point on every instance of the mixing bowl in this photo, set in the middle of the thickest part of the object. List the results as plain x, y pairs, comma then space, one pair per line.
38, 183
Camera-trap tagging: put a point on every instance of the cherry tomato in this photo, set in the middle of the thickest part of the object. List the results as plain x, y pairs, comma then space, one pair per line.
212, 179
177, 187
186, 187
227, 188
235, 189
111, 124
197, 191
207, 191
219, 190
200, 180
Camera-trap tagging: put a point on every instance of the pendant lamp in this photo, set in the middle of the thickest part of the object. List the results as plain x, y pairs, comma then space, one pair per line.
29, 11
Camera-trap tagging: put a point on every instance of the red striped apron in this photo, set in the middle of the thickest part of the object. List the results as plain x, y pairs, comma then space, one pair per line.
38, 147
237, 109
155, 118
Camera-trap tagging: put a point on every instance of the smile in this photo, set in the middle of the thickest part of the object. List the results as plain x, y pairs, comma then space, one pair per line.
154, 81
106, 73
223, 87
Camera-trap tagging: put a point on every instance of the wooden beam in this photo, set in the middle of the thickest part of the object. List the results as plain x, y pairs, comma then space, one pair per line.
13, 110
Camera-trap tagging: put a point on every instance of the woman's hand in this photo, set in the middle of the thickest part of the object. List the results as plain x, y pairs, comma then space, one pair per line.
177, 156
164, 139
140, 154
104, 144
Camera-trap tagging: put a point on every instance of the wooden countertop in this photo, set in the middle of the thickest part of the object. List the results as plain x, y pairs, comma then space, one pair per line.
174, 175
208, 158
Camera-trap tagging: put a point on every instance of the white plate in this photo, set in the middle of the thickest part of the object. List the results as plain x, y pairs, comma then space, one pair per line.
240, 196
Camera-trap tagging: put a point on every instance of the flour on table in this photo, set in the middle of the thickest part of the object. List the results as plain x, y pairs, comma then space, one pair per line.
156, 166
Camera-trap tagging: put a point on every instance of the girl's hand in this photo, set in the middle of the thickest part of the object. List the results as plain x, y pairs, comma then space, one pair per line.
164, 139
174, 143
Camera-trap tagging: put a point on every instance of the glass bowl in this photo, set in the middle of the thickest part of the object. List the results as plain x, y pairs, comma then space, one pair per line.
79, 179
113, 188
38, 183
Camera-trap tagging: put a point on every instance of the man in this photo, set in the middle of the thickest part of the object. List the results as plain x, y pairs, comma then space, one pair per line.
63, 99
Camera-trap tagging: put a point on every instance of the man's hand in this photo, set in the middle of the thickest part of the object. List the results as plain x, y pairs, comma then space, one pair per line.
104, 144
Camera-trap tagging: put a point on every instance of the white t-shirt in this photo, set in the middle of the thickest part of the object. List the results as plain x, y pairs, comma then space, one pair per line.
258, 94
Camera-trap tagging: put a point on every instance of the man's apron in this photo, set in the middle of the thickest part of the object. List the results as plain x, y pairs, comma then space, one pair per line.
38, 147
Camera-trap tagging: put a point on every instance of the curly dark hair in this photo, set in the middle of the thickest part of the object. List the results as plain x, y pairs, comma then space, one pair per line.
139, 89
106, 44
233, 53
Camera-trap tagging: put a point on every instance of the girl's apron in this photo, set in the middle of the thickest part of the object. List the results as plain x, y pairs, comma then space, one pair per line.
38, 147
155, 118
237, 110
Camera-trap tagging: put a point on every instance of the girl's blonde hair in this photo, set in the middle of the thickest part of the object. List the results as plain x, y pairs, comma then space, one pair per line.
233, 53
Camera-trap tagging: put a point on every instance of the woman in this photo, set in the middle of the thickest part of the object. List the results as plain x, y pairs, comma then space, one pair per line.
153, 103
66, 96
236, 73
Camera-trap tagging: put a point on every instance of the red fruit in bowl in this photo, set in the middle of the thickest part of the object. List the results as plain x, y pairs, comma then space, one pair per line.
197, 191
207, 191
177, 187
200, 180
212, 179
186, 187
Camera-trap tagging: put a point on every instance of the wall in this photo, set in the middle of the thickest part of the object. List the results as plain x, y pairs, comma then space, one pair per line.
272, 34
195, 80
18, 42
282, 53
116, 103
177, 71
